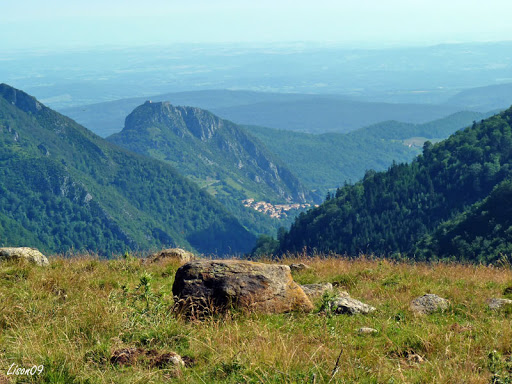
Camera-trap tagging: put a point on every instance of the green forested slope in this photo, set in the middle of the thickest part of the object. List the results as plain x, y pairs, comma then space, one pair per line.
64, 187
483, 232
390, 212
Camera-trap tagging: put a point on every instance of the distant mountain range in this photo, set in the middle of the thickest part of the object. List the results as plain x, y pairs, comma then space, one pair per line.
296, 112
452, 202
62, 187
484, 99
436, 129
317, 114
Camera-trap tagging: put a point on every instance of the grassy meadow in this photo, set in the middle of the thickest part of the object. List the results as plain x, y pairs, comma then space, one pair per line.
73, 316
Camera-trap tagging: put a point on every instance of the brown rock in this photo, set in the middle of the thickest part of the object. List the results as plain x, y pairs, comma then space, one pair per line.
213, 286
177, 254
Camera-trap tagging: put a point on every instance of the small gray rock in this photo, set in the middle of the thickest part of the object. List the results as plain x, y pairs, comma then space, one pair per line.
497, 303
429, 303
367, 330
316, 290
30, 254
349, 306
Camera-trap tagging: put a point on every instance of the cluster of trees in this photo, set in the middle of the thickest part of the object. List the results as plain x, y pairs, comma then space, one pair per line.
433, 207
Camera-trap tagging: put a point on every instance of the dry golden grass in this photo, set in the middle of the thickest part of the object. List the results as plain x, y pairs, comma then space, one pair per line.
72, 316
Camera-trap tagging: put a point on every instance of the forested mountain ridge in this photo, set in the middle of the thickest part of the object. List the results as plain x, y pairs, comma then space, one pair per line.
63, 187
392, 212
217, 154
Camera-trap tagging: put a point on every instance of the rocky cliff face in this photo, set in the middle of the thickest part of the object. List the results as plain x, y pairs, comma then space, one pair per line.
20, 99
218, 153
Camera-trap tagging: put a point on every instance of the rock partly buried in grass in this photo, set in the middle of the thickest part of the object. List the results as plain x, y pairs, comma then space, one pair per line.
314, 291
299, 267
214, 286
497, 303
429, 303
345, 305
177, 254
166, 359
367, 330
131, 356
30, 254
125, 356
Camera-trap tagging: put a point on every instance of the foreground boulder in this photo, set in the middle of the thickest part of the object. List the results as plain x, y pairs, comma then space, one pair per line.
177, 254
214, 286
429, 303
30, 254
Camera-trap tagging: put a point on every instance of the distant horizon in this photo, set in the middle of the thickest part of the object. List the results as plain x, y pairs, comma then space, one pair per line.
54, 24
255, 45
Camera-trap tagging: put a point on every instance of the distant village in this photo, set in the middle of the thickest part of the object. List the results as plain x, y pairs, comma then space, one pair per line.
276, 211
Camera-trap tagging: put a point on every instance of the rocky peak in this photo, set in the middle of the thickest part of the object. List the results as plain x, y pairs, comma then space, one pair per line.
183, 120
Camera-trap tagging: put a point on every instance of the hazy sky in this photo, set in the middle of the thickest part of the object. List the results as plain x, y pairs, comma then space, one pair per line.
57, 23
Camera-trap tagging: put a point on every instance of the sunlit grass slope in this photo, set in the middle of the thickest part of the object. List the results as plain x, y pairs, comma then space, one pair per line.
72, 316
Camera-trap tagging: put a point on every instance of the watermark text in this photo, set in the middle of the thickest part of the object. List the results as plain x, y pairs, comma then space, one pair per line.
16, 370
